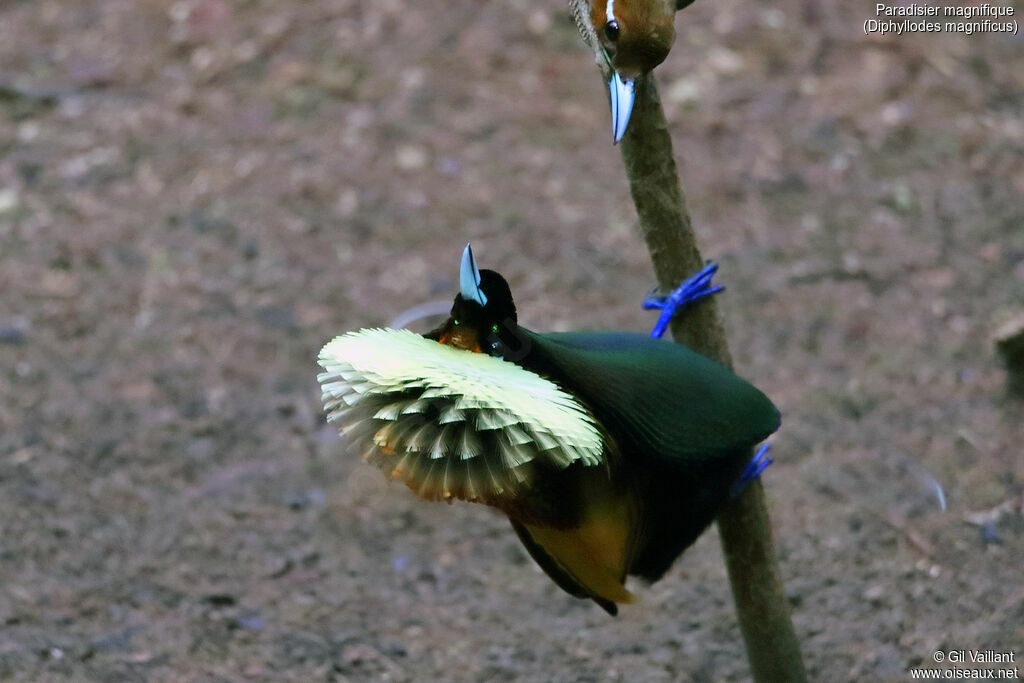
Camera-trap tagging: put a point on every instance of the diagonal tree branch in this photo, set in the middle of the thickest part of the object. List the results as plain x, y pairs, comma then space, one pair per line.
743, 526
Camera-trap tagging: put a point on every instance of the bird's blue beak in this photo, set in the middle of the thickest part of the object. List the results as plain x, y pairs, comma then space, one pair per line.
469, 279
622, 95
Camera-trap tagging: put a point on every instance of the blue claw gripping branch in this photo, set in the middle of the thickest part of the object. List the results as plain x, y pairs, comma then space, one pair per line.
694, 289
758, 464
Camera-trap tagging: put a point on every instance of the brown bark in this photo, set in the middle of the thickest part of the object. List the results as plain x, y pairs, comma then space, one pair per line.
744, 527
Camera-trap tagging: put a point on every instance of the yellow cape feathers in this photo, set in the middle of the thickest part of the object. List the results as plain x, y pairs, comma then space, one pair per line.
450, 423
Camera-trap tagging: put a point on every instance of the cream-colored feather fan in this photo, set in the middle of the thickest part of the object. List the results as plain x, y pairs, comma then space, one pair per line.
449, 422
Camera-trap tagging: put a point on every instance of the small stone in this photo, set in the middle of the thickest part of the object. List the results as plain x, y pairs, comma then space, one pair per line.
180, 11
8, 200
773, 18
903, 198
539, 22
725, 61
410, 158
874, 594
22, 456
685, 91
348, 203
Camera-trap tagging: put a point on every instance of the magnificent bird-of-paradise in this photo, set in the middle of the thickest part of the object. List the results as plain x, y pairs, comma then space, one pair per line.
633, 37
610, 453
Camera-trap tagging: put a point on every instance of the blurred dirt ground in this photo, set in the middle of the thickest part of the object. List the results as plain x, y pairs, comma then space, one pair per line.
195, 196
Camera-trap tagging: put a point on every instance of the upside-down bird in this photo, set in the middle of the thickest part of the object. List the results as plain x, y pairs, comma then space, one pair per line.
632, 37
610, 453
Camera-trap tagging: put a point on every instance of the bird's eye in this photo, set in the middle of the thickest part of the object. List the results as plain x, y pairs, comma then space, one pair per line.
611, 30
456, 323
494, 329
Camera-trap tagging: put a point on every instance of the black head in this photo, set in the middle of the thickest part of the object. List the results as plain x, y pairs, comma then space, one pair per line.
483, 317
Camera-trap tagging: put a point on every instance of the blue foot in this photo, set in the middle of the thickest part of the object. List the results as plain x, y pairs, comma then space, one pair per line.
758, 464
694, 289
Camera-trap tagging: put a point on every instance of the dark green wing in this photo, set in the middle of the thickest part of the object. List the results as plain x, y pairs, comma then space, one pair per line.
661, 398
684, 424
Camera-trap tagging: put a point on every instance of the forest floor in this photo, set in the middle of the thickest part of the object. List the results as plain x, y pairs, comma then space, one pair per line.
195, 196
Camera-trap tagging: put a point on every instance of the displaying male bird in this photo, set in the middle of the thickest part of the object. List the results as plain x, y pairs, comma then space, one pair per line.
609, 452
633, 37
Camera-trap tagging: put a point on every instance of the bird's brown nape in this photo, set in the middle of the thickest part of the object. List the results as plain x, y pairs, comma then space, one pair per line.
646, 32
641, 50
